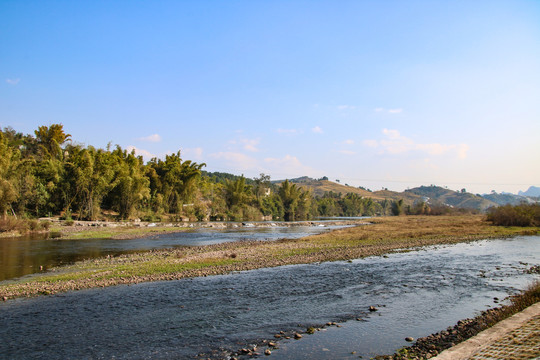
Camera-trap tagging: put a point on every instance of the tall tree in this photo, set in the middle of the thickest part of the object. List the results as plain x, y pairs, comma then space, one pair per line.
50, 139
130, 185
289, 194
9, 160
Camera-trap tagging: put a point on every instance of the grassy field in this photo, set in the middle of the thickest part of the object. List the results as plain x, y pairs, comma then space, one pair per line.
121, 232
382, 236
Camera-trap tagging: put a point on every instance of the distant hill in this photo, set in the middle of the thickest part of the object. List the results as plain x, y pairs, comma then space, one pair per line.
437, 195
506, 199
532, 191
319, 187
432, 195
407, 197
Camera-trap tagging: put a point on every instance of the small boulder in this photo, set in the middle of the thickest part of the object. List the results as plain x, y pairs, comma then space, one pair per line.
267, 352
373, 308
297, 336
409, 339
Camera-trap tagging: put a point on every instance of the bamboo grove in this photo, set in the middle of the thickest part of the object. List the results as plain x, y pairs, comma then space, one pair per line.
48, 174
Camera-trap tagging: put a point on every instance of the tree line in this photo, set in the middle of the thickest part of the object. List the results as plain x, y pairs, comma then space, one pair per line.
47, 174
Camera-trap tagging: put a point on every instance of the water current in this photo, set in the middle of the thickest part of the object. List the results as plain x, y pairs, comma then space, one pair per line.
417, 293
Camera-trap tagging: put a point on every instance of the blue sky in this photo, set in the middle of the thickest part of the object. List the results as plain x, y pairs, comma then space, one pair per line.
377, 94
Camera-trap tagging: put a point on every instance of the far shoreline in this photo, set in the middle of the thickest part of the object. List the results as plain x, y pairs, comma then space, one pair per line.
81, 229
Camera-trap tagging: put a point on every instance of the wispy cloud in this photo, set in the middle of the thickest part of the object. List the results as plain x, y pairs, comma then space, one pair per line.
389, 111
394, 143
346, 107
247, 144
250, 144
287, 131
392, 134
13, 81
236, 161
192, 153
288, 166
150, 138
317, 130
348, 142
347, 152
370, 143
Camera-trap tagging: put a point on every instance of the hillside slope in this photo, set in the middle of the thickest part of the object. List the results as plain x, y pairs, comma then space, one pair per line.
320, 187
437, 195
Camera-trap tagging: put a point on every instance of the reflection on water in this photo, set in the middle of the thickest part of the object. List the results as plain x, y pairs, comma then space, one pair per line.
417, 293
25, 255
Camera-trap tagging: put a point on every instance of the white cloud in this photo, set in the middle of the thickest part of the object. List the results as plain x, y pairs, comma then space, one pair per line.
348, 142
150, 138
394, 143
317, 130
236, 161
287, 131
347, 152
247, 144
250, 144
370, 143
346, 107
192, 153
13, 81
391, 134
289, 166
389, 111
140, 152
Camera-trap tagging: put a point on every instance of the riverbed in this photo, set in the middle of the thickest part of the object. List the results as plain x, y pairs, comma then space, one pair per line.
416, 293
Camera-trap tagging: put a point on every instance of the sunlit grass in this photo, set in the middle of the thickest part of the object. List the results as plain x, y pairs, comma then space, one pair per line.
120, 232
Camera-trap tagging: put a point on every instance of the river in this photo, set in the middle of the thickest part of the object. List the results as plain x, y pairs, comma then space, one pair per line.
417, 293
26, 255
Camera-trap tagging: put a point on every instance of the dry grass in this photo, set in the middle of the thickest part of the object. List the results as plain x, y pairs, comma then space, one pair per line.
384, 235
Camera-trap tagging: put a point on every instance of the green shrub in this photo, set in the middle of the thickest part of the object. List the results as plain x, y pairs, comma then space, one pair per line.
55, 234
33, 225
519, 215
12, 224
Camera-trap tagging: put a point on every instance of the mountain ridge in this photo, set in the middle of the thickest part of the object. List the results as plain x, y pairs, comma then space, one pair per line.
431, 195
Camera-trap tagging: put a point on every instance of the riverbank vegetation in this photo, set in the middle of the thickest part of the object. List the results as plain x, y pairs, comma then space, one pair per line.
384, 235
519, 215
47, 174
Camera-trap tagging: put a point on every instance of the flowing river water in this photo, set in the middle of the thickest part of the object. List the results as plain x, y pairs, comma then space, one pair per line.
417, 293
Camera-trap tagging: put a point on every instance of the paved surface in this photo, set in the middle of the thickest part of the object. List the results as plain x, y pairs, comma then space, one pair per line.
516, 338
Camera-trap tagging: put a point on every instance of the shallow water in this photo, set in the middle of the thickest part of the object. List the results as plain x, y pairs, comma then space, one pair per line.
25, 255
417, 293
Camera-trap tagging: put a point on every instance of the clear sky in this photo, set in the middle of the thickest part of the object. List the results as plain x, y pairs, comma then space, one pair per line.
377, 94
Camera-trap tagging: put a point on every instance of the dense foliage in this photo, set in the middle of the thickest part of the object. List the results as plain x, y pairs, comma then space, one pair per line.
47, 174
519, 215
